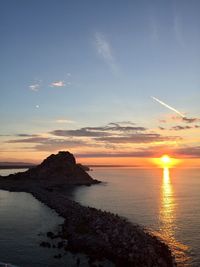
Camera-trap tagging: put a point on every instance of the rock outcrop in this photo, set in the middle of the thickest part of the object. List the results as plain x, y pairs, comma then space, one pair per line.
59, 169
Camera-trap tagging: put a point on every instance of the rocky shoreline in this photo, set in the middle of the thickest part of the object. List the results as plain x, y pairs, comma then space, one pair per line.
97, 233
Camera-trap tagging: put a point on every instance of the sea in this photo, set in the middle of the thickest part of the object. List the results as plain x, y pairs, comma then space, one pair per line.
165, 202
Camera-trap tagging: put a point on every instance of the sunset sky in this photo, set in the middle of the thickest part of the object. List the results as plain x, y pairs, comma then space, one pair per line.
84, 76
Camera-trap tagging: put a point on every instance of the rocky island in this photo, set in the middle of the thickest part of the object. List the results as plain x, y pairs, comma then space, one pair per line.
97, 233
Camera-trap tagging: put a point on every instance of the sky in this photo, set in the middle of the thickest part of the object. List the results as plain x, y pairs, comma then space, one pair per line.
110, 81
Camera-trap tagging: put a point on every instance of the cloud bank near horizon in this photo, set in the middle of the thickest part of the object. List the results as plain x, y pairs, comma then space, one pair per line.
121, 139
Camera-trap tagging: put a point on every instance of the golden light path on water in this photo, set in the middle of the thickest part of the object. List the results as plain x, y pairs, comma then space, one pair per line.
167, 209
167, 214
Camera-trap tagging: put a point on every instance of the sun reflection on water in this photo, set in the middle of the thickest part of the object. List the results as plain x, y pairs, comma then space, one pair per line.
168, 211
168, 205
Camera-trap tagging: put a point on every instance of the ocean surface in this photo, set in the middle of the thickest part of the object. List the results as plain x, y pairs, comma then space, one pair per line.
164, 201
24, 222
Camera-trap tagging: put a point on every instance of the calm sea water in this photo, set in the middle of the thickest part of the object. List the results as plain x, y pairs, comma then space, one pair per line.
24, 222
165, 201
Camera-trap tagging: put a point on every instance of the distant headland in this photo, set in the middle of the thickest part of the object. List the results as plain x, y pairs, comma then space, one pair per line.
25, 165
16, 165
97, 233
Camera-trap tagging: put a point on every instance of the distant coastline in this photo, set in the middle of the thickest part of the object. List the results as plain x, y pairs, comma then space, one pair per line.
16, 166
112, 166
23, 165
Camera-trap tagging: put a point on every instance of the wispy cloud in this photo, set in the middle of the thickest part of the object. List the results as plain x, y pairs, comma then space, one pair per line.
66, 81
49, 144
191, 120
154, 28
174, 119
122, 138
161, 128
178, 29
138, 138
186, 127
35, 87
105, 50
100, 131
113, 133
119, 154
27, 135
57, 144
83, 132
122, 122
36, 139
188, 152
58, 84
64, 121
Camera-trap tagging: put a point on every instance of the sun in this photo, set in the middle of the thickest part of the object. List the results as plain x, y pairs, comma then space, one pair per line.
165, 161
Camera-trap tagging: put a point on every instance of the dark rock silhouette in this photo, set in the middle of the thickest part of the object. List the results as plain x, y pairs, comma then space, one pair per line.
59, 169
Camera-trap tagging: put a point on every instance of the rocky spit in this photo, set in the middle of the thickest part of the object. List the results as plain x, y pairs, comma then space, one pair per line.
99, 234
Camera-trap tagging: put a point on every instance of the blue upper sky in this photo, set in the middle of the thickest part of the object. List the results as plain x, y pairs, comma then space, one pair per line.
72, 64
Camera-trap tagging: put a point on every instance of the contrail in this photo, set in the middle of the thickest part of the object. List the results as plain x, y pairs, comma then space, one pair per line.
167, 106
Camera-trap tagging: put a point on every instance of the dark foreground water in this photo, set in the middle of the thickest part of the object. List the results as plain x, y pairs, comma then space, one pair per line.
24, 222
165, 201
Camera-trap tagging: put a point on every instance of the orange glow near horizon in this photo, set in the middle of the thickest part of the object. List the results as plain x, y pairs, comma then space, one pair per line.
37, 157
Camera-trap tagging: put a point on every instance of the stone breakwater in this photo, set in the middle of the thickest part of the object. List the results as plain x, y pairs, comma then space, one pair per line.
103, 234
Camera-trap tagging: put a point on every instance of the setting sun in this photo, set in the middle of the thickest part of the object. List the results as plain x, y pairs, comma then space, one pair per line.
166, 161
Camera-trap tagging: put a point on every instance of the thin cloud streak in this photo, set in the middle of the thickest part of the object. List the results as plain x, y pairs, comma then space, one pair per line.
34, 87
104, 49
58, 84
179, 127
101, 131
83, 132
175, 118
36, 139
27, 135
49, 144
191, 120
187, 152
57, 144
178, 30
64, 121
167, 106
138, 154
138, 138
154, 28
